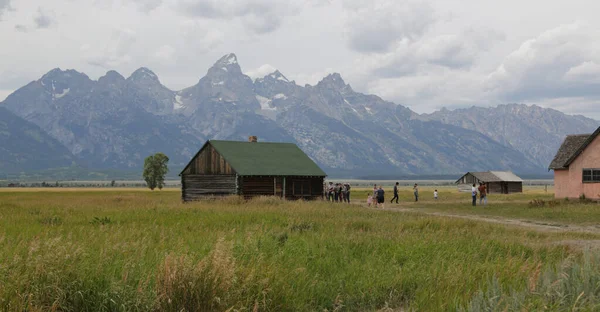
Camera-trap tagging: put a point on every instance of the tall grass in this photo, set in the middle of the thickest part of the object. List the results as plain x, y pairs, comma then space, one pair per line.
142, 251
570, 286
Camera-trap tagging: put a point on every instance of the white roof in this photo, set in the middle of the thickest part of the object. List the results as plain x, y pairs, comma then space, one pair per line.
507, 176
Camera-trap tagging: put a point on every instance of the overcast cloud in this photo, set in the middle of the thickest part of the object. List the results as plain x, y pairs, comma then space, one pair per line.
422, 54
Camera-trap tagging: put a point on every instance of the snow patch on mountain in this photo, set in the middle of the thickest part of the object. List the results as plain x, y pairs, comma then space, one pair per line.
63, 93
231, 59
265, 103
280, 96
178, 104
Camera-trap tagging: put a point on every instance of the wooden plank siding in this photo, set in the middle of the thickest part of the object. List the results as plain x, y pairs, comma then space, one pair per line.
196, 187
257, 186
209, 162
515, 187
304, 188
295, 187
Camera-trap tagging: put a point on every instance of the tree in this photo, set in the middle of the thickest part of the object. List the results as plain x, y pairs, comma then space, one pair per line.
155, 169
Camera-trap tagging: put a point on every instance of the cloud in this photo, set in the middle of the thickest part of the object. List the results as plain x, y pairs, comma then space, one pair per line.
200, 36
4, 6
258, 16
116, 52
455, 51
261, 71
148, 5
559, 63
43, 19
165, 53
376, 26
21, 28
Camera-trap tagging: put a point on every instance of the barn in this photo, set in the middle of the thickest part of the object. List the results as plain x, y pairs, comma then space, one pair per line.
497, 182
249, 169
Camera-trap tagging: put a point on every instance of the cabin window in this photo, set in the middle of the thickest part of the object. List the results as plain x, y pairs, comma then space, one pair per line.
591, 175
301, 188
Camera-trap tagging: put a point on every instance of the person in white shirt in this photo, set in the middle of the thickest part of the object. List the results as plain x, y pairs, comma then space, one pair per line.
435, 195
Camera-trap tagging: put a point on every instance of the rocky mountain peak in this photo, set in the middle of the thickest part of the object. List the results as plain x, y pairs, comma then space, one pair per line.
111, 77
59, 74
276, 75
334, 81
228, 59
226, 64
143, 74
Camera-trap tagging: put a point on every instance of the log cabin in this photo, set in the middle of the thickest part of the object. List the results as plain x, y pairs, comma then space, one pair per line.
496, 182
249, 169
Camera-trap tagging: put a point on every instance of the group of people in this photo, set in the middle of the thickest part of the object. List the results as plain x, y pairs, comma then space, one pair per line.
339, 192
482, 194
377, 198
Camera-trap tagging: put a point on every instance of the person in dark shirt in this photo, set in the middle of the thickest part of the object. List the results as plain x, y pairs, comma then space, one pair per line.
482, 194
416, 192
380, 197
395, 193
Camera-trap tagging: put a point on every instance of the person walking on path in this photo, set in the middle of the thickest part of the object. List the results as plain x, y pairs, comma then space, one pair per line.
347, 195
482, 194
380, 197
416, 192
435, 195
474, 195
375, 194
395, 193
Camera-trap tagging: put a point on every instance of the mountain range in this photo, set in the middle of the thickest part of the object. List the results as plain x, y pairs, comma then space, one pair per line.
67, 119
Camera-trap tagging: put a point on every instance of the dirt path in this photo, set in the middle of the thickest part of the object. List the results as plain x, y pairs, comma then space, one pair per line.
540, 226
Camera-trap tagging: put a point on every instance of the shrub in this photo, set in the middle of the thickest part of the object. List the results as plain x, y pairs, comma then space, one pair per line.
54, 220
302, 227
536, 203
554, 203
101, 221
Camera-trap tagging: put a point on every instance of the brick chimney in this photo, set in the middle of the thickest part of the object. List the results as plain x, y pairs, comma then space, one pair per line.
252, 138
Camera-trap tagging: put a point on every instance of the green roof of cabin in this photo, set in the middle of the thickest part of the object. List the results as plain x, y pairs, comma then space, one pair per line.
266, 158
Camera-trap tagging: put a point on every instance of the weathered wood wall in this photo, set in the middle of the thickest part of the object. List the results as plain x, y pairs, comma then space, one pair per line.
196, 187
505, 187
304, 188
515, 187
468, 179
209, 162
295, 187
258, 186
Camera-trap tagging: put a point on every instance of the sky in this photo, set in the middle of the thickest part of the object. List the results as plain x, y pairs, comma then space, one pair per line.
422, 54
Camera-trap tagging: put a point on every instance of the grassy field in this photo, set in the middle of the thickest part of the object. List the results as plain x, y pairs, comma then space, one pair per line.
135, 250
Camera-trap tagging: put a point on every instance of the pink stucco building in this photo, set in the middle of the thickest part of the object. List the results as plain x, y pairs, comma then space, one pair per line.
577, 167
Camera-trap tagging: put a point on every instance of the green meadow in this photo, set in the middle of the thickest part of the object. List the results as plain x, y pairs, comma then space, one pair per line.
136, 250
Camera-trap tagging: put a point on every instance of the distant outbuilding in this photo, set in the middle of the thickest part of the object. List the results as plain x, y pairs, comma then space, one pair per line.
577, 167
497, 182
250, 169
